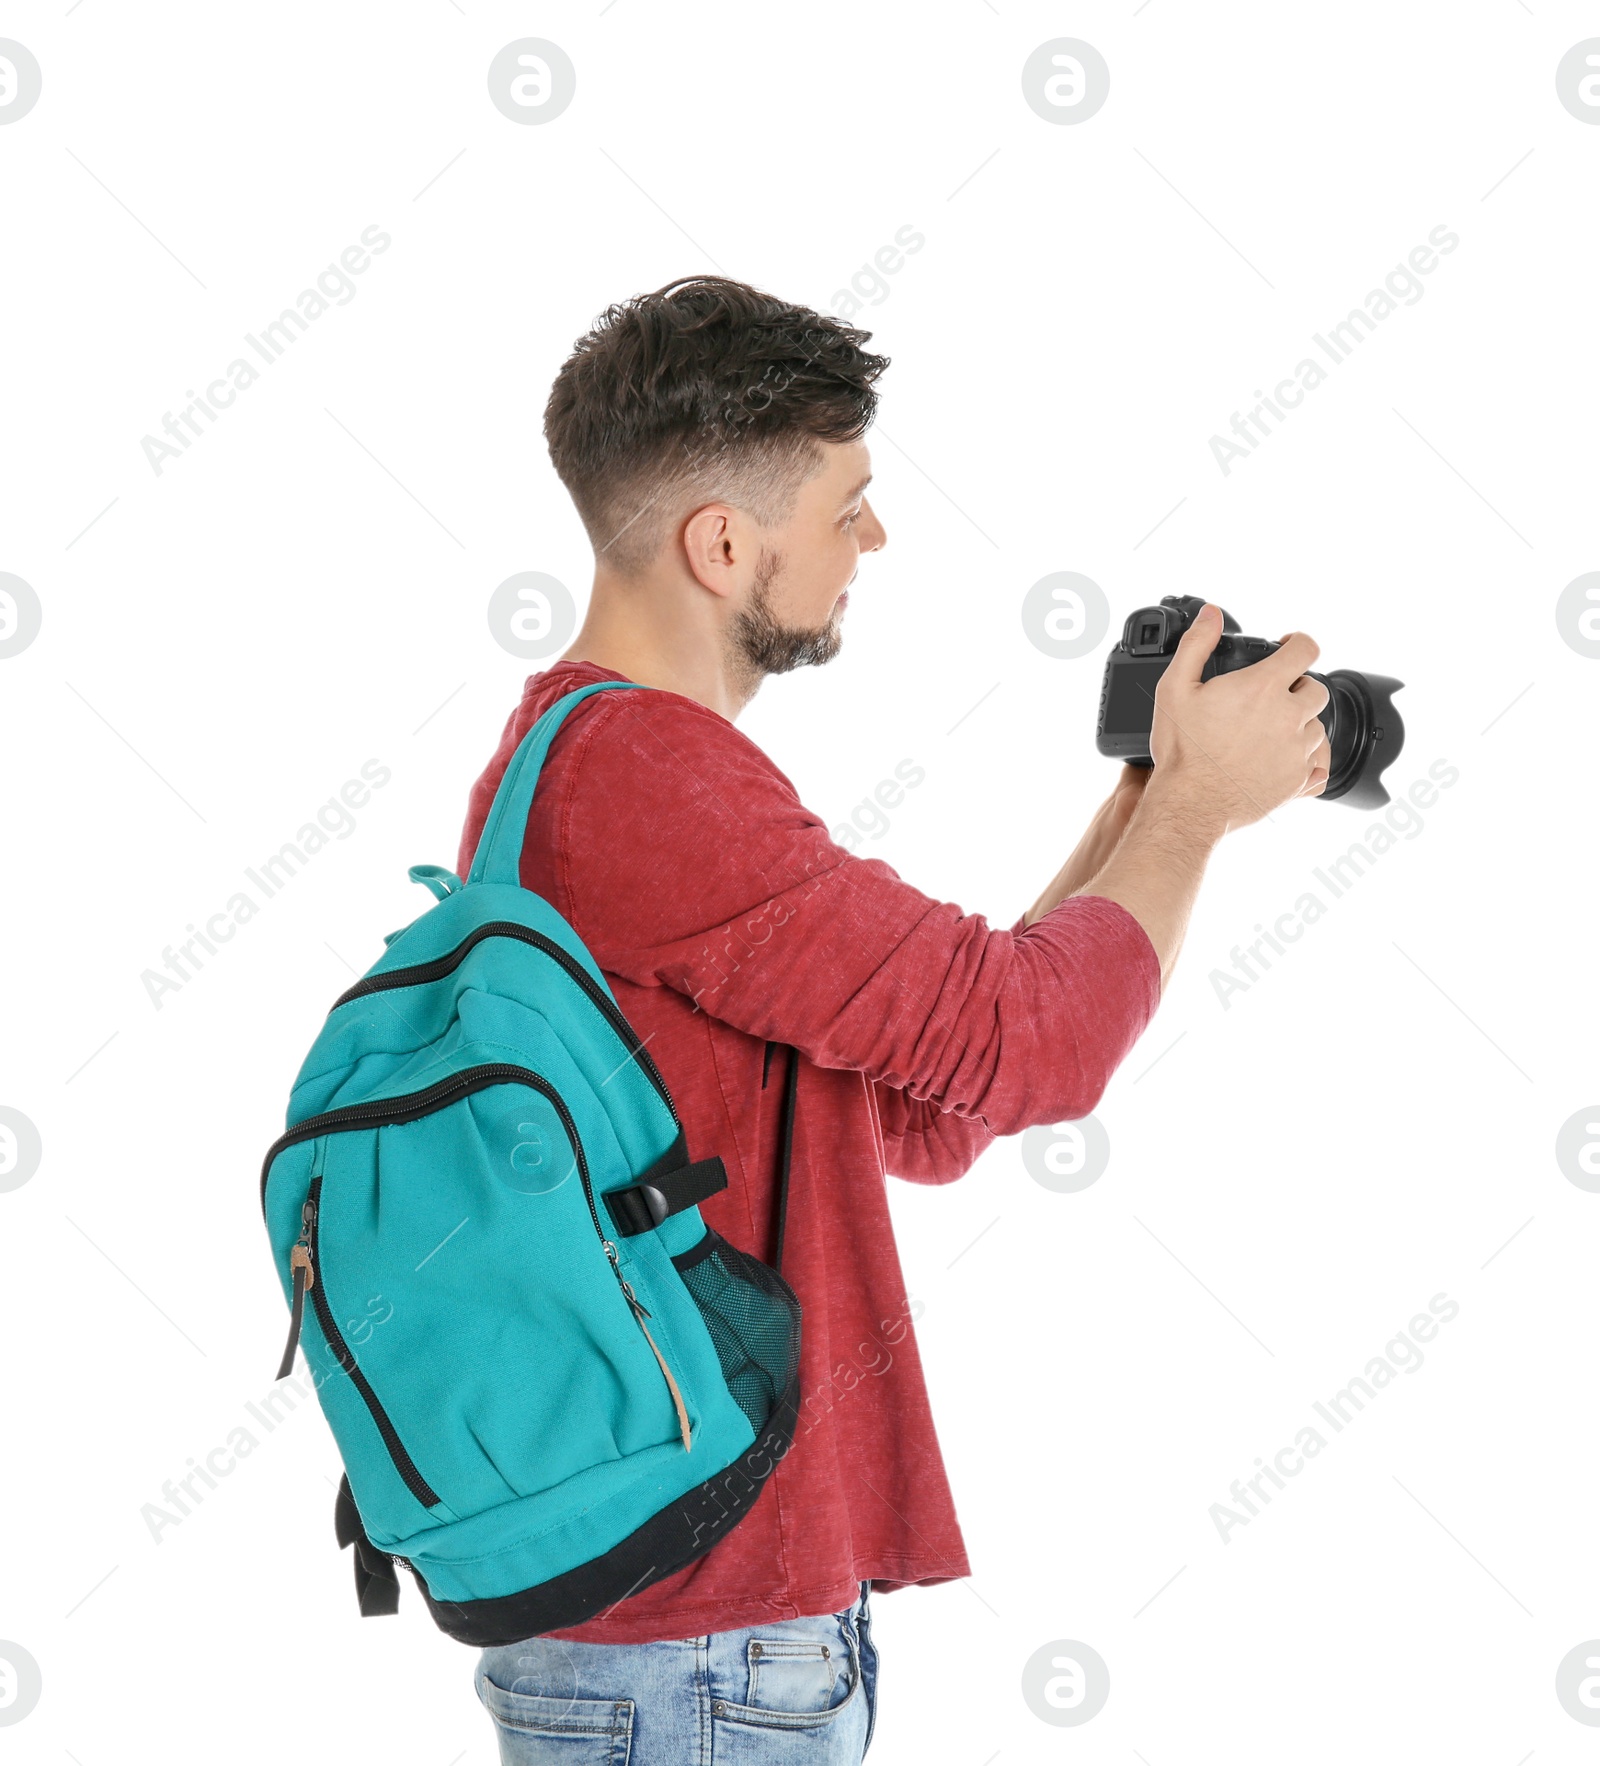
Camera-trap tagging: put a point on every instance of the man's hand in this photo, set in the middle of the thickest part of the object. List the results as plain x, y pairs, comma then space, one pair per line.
1230, 750
1321, 765
1227, 751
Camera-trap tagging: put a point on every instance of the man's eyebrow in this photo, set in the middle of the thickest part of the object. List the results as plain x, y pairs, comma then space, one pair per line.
851, 496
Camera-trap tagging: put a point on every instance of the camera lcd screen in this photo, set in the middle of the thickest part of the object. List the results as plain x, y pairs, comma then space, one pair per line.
1130, 699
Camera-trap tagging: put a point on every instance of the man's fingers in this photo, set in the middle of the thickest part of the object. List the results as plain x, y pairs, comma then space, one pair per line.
1313, 697
1195, 646
1293, 656
1319, 761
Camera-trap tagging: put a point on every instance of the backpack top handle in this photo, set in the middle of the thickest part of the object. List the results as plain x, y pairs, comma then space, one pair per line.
499, 855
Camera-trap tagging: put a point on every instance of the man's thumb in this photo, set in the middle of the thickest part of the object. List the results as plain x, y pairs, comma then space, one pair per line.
1196, 645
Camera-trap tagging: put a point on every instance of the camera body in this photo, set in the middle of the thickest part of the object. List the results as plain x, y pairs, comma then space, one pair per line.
1364, 729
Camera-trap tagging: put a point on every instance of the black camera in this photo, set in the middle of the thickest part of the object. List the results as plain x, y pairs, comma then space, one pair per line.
1364, 729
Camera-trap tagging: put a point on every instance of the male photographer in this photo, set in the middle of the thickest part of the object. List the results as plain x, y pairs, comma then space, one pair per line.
711, 437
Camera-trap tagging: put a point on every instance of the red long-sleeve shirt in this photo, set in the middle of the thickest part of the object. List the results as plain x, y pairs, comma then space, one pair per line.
723, 915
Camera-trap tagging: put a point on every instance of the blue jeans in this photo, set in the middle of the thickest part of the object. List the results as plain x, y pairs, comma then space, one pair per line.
799, 1690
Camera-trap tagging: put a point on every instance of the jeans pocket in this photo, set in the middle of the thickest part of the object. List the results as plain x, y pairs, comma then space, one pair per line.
796, 1683
536, 1730
792, 1675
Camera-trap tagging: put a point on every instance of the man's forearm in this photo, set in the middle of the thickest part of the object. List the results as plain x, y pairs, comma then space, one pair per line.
1099, 842
1156, 869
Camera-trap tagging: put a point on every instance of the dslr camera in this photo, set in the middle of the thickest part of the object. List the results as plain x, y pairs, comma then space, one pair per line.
1364, 729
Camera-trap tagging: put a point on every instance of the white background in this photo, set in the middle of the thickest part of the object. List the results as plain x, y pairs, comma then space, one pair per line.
1365, 1127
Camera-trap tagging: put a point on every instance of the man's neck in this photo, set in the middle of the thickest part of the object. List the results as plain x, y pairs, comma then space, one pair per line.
655, 633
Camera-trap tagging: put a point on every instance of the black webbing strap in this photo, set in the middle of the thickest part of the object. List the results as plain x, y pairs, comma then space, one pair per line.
377, 1585
791, 1082
644, 1205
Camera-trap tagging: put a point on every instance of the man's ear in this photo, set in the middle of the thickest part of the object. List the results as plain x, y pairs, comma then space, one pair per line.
713, 545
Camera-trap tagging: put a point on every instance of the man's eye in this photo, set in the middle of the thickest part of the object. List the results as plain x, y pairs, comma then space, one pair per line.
852, 518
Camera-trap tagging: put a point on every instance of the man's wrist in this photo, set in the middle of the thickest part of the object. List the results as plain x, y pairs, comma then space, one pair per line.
1181, 811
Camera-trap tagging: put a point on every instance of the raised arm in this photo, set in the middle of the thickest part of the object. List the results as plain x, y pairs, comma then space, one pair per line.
739, 900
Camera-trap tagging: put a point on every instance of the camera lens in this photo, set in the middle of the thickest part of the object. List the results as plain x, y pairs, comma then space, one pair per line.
1364, 734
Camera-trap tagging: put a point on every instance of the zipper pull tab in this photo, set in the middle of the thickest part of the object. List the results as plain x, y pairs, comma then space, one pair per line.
672, 1385
640, 1314
623, 1282
300, 1252
303, 1277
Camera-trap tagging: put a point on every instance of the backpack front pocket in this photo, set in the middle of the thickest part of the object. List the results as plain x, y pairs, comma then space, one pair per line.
500, 1349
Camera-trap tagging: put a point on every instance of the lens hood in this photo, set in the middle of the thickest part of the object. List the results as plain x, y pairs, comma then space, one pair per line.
1367, 734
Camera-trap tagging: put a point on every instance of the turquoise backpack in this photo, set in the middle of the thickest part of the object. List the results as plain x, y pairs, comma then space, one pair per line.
550, 1382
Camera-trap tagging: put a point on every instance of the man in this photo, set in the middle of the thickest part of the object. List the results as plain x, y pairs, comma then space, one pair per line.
711, 437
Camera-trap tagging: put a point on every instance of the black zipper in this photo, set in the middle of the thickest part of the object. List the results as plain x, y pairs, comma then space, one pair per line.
420, 973
389, 1112
403, 1462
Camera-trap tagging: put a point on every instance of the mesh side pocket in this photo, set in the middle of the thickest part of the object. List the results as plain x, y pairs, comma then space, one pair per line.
754, 1321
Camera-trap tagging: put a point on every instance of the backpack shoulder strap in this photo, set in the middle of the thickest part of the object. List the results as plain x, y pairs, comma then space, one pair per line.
499, 860
499, 855
785, 1142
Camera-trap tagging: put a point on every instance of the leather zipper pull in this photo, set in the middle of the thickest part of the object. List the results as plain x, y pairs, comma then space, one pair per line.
672, 1385
639, 1316
303, 1277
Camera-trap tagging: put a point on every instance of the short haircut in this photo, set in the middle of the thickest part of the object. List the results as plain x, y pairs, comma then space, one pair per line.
707, 390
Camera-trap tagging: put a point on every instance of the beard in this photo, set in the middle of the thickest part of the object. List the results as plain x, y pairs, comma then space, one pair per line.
760, 644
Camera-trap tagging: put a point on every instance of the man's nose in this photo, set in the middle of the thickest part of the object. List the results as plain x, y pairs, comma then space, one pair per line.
873, 537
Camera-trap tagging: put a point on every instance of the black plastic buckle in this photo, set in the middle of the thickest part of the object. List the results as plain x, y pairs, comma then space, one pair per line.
638, 1208
653, 1200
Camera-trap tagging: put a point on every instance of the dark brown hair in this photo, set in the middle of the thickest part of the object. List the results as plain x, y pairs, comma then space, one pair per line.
706, 390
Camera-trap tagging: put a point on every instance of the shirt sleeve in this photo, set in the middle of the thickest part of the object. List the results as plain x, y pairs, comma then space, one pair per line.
686, 860
923, 1143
